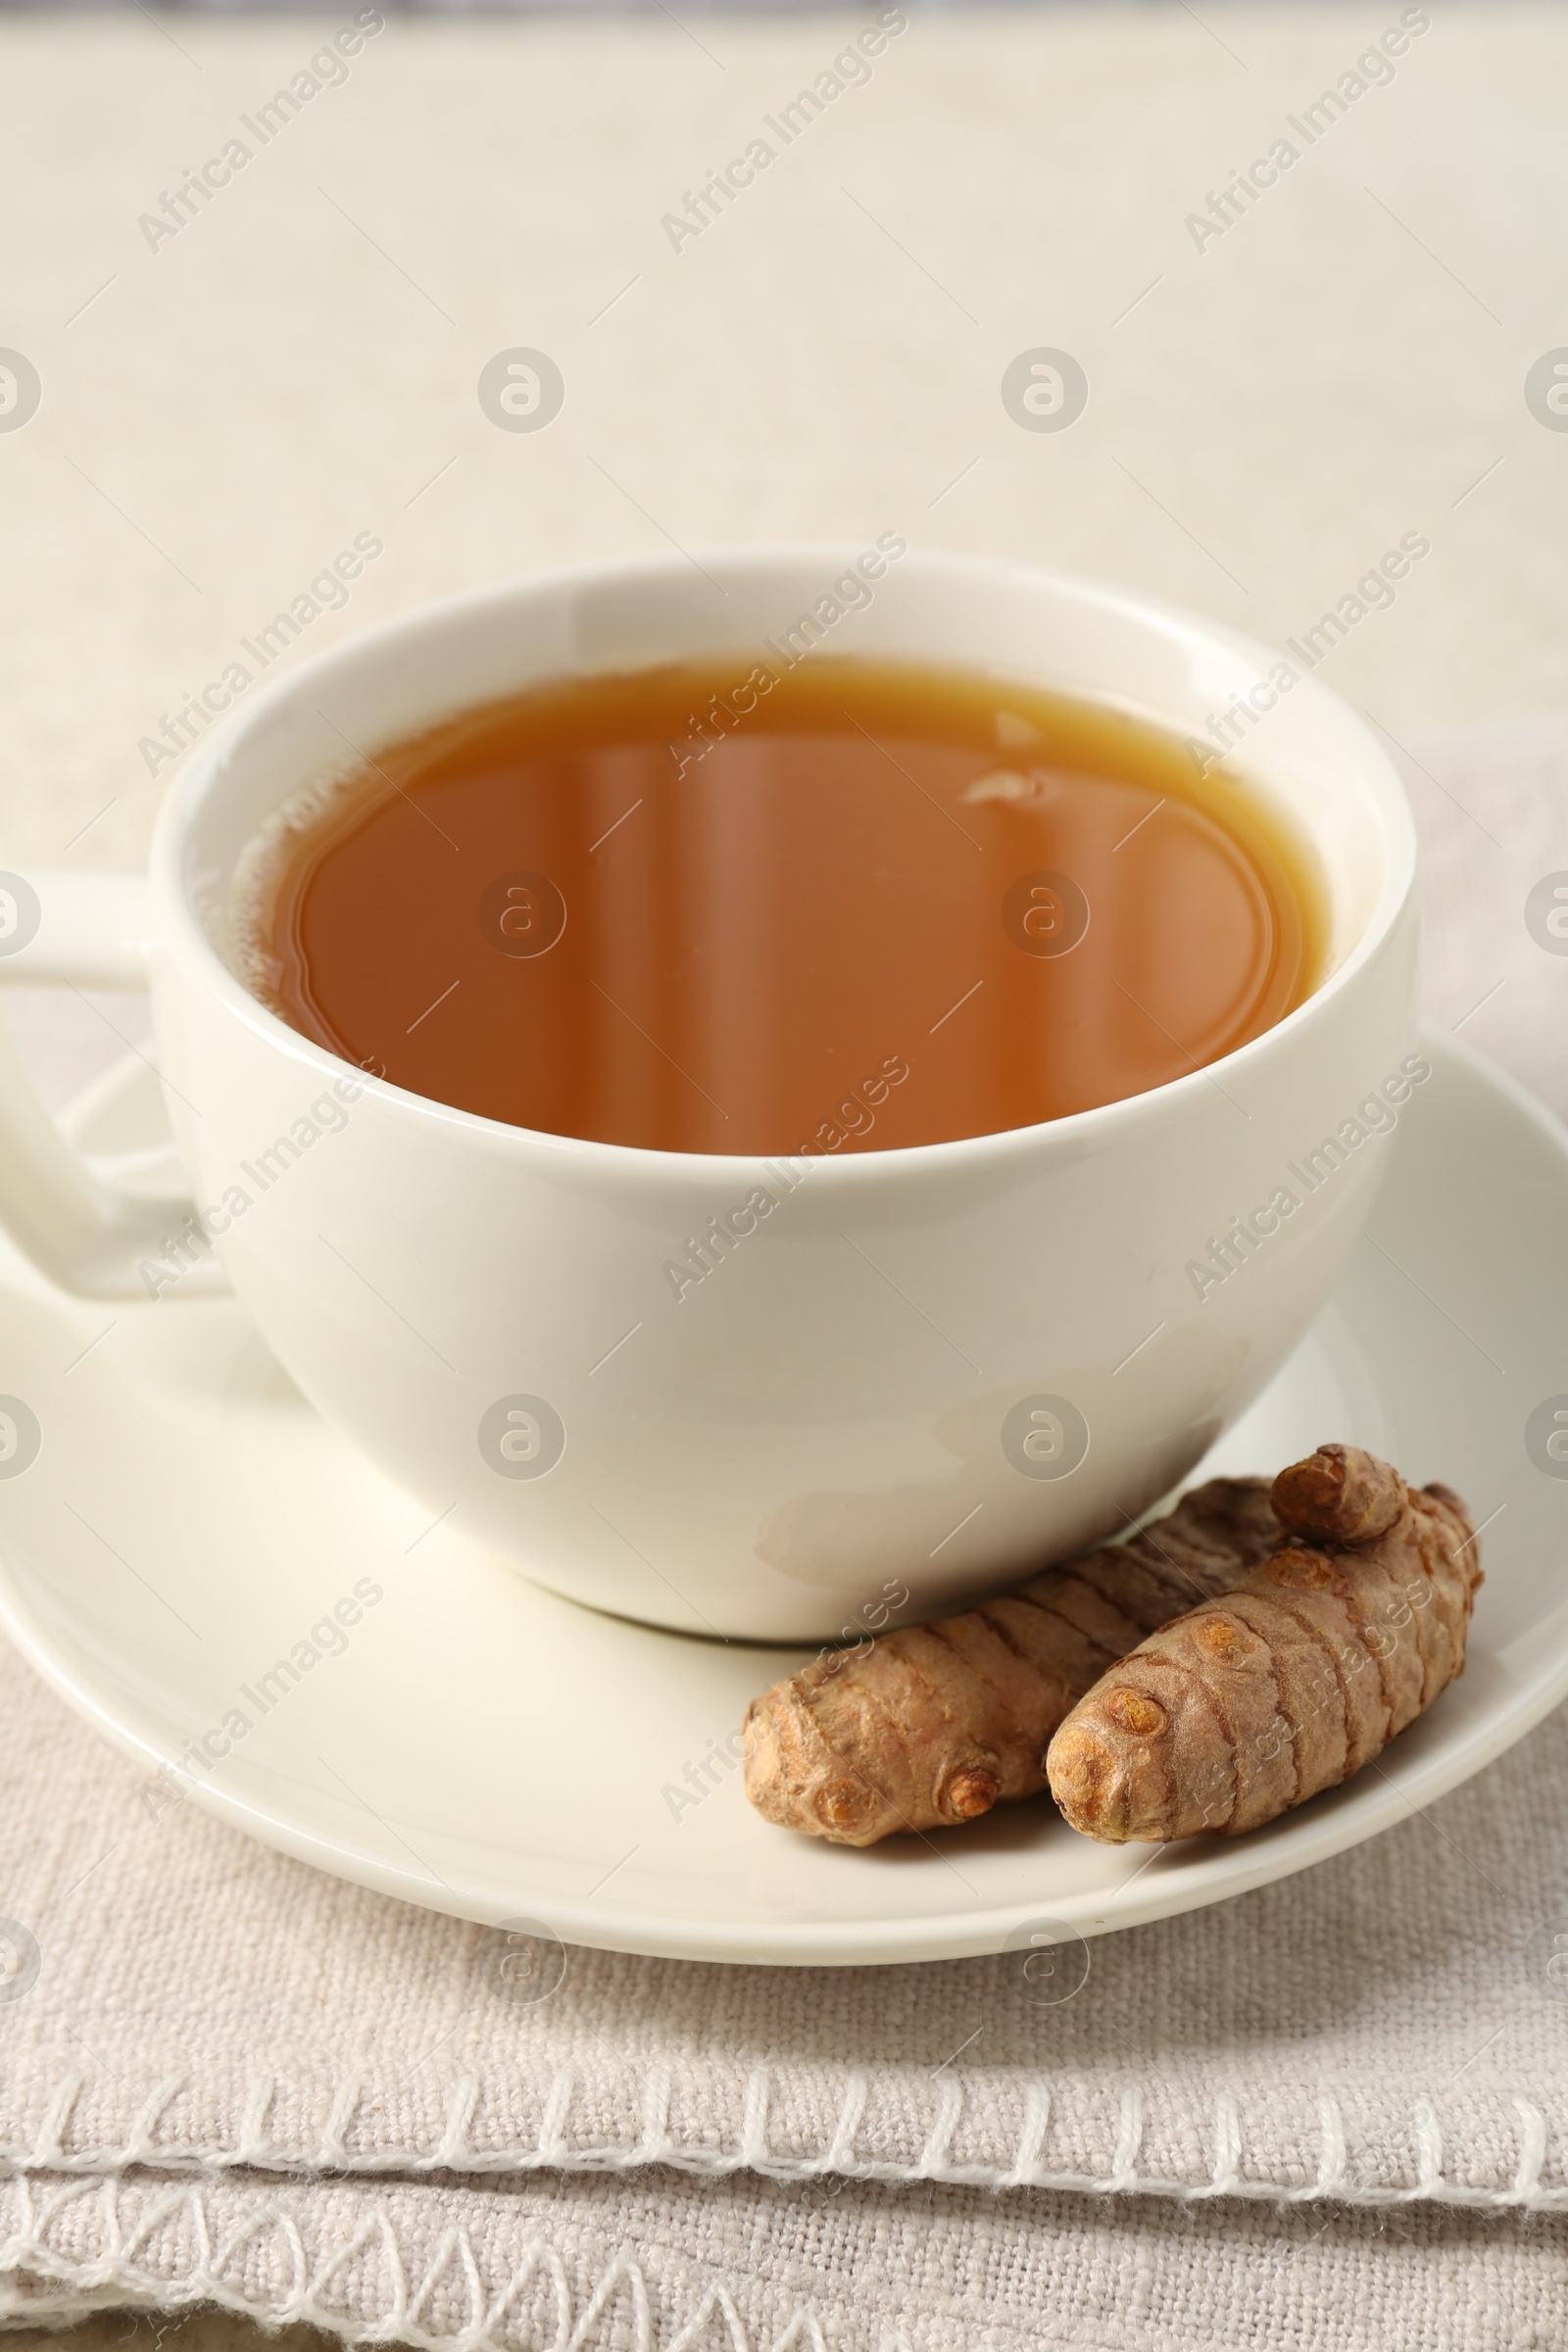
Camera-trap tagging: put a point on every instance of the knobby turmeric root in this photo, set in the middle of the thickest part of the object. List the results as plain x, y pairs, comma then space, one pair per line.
936, 1722
1301, 1674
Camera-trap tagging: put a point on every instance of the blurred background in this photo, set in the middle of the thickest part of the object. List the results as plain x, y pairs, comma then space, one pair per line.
1225, 302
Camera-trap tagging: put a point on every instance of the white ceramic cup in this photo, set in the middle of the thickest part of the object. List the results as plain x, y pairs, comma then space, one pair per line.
923, 1373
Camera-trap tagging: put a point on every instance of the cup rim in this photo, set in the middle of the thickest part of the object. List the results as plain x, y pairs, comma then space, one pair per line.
1074, 1132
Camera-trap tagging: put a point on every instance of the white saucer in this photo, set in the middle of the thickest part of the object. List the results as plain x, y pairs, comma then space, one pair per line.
483, 1747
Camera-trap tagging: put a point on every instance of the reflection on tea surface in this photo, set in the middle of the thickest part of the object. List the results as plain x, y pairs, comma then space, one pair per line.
849, 907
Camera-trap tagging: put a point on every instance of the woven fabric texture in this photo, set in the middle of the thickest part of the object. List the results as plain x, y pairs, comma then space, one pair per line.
664, 2263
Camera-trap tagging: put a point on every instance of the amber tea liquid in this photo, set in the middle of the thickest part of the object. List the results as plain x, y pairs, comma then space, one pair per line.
846, 907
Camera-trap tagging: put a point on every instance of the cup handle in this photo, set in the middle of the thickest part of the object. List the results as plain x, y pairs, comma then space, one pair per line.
89, 1236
